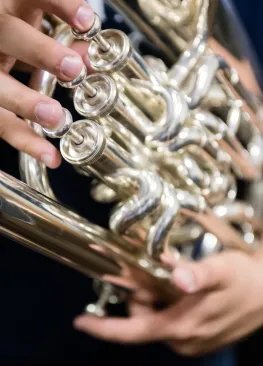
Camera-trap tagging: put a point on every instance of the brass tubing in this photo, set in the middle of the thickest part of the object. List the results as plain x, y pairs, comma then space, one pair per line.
45, 226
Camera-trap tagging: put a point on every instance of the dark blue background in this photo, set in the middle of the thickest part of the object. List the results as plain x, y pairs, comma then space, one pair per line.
251, 14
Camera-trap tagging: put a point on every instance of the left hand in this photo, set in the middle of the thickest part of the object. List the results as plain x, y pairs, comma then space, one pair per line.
23, 41
222, 303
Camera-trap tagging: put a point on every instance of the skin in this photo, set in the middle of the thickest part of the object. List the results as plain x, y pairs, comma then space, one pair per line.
221, 303
34, 49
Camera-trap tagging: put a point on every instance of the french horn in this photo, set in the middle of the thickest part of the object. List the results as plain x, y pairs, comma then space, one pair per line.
167, 137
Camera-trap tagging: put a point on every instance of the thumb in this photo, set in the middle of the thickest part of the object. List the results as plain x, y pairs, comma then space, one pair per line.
205, 275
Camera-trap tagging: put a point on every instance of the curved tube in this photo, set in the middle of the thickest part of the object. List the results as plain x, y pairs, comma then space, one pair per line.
45, 226
139, 153
204, 78
178, 24
141, 204
182, 14
247, 162
187, 61
176, 113
164, 221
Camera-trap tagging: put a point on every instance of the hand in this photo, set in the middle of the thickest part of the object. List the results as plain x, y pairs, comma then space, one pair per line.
22, 40
222, 303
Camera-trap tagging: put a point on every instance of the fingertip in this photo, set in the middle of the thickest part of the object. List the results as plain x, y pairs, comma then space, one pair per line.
78, 322
71, 66
84, 18
48, 113
57, 161
51, 157
184, 279
86, 322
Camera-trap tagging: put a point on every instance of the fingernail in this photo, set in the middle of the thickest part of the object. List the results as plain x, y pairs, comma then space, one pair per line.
71, 66
184, 279
85, 17
47, 160
49, 114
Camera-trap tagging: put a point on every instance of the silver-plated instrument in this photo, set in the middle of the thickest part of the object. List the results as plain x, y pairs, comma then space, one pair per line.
167, 140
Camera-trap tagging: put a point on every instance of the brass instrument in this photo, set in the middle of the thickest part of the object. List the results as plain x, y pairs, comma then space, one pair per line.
166, 139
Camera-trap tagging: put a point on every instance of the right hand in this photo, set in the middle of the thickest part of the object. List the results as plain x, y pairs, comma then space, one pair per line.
21, 40
220, 303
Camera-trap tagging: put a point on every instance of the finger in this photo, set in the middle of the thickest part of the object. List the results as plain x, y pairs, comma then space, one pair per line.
168, 260
77, 13
139, 309
207, 274
137, 329
134, 278
38, 50
81, 48
173, 259
32, 16
29, 104
22, 137
145, 296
